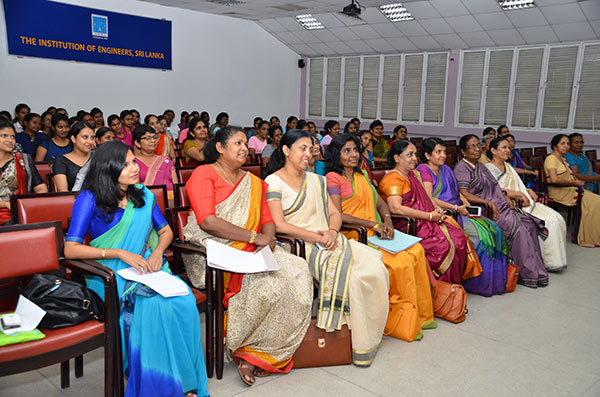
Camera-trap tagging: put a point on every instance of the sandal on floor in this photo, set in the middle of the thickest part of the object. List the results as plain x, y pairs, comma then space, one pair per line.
245, 369
261, 373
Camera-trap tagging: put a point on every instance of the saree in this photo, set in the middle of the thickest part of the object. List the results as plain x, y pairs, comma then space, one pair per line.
554, 250
160, 172
268, 313
521, 229
407, 269
352, 281
15, 179
155, 360
584, 167
588, 232
486, 235
165, 144
445, 243
517, 162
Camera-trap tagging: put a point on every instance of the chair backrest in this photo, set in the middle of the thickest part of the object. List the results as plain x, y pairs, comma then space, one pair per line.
537, 162
51, 184
44, 169
256, 169
184, 173
378, 173
591, 154
526, 153
540, 151
180, 219
30, 249
160, 191
180, 161
42, 207
450, 143
181, 197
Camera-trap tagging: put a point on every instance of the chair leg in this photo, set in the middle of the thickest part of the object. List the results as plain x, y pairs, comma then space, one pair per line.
64, 375
220, 325
210, 339
78, 366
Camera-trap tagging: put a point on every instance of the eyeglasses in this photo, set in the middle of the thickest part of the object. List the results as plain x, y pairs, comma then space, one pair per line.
8, 136
150, 138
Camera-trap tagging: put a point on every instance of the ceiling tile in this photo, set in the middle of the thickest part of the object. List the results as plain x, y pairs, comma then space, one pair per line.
303, 49
563, 13
373, 15
481, 7
344, 33
477, 39
450, 41
591, 9
290, 23
538, 34
596, 27
464, 23
506, 37
341, 48
365, 32
271, 25
328, 20
425, 43
321, 49
436, 26
553, 2
307, 37
574, 31
387, 30
526, 18
348, 20
449, 8
402, 44
422, 10
493, 21
410, 28
288, 37
380, 45
324, 35
360, 47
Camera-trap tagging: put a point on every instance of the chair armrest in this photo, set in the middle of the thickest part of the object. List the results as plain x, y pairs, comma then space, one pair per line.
90, 267
410, 222
290, 240
361, 230
187, 247
452, 213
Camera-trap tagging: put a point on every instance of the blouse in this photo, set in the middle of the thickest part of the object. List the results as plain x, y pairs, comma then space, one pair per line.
53, 150
190, 143
268, 152
30, 145
256, 144
64, 166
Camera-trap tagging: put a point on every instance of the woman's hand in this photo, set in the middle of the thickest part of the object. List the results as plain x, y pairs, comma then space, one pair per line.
524, 198
436, 215
328, 239
495, 212
155, 261
533, 195
579, 182
385, 232
462, 210
509, 201
135, 261
262, 240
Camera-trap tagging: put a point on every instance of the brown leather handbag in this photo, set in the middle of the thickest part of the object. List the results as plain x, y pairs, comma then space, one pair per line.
449, 301
321, 348
512, 276
403, 320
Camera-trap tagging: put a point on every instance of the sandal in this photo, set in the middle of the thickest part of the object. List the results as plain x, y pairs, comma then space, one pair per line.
261, 373
246, 371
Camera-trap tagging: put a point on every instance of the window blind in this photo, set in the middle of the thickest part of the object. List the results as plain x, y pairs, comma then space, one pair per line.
351, 76
527, 87
559, 87
587, 115
435, 88
370, 87
315, 87
470, 87
332, 92
390, 89
498, 87
411, 93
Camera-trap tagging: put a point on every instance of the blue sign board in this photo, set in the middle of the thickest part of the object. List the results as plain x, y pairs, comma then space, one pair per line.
46, 29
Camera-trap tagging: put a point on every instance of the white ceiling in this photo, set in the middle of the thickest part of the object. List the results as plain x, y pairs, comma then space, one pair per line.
438, 24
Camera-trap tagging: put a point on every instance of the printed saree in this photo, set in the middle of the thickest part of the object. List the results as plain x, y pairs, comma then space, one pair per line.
15, 179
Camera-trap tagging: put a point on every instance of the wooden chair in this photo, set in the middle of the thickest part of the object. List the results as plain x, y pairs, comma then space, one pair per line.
42, 207
256, 169
526, 153
180, 161
44, 168
591, 155
407, 225
50, 183
450, 143
184, 173
379, 173
573, 211
44, 244
160, 191
537, 162
181, 197
540, 151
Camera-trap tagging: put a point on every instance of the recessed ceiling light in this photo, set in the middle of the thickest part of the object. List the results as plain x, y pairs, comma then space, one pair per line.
396, 12
309, 22
515, 4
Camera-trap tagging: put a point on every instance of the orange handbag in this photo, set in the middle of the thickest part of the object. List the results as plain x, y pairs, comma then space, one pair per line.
449, 301
512, 276
321, 348
403, 320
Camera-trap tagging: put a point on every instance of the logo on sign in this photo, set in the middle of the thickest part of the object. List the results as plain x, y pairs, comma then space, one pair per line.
99, 26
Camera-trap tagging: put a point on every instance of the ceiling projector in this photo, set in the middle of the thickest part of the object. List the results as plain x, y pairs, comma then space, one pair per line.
352, 10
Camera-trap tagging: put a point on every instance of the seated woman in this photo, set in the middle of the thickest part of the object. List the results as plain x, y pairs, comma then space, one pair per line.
350, 128
399, 134
351, 277
161, 338
154, 169
165, 146
490, 243
312, 128
582, 167
57, 143
478, 185
488, 134
128, 122
18, 174
520, 166
446, 245
332, 129
315, 164
354, 196
258, 142
267, 313
103, 135
275, 135
193, 147
557, 170
554, 250
380, 144
31, 136
67, 167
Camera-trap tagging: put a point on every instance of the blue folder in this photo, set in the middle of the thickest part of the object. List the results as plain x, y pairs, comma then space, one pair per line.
400, 242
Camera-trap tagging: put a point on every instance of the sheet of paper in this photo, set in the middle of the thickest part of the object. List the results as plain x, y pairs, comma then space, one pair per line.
30, 313
162, 282
400, 242
224, 257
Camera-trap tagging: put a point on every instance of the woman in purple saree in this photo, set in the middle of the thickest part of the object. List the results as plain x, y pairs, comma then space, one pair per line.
478, 185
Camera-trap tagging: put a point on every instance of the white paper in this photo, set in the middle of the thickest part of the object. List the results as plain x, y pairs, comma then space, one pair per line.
162, 282
224, 257
30, 313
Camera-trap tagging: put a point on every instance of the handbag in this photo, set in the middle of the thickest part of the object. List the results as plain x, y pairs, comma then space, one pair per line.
66, 302
403, 320
321, 348
449, 301
512, 276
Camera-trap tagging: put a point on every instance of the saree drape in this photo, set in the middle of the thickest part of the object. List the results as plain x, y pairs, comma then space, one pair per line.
268, 313
554, 250
160, 172
486, 235
352, 279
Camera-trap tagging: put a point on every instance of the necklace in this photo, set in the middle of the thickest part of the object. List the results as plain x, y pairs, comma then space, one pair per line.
225, 174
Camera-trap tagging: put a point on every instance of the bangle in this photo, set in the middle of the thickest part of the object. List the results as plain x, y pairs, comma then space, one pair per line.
103, 253
376, 226
335, 230
386, 215
455, 207
430, 216
252, 237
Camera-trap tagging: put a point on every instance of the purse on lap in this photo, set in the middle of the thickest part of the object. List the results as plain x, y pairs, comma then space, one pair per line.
321, 348
403, 320
449, 301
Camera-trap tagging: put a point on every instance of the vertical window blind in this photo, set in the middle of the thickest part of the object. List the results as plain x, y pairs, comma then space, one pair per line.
470, 87
587, 115
411, 93
527, 87
332, 92
315, 88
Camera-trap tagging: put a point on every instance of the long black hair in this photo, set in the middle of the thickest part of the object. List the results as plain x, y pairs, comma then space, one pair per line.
397, 148
428, 146
211, 154
102, 179
192, 125
288, 139
494, 145
334, 150
57, 118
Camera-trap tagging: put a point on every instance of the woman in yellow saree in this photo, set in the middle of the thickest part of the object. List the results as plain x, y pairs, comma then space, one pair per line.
267, 313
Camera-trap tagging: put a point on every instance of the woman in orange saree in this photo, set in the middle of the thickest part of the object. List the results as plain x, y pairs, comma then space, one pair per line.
267, 313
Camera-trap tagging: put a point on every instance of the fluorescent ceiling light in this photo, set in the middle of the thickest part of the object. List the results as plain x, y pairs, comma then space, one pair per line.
396, 12
309, 22
515, 4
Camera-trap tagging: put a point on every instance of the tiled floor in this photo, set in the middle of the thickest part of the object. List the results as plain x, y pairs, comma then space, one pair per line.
543, 342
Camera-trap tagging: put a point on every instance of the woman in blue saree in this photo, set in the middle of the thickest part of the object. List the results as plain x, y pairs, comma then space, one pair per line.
161, 337
486, 235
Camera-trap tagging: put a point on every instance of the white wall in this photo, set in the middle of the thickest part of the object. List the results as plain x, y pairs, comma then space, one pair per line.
219, 64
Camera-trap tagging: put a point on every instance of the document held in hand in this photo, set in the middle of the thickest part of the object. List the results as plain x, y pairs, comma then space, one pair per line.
224, 257
400, 242
162, 282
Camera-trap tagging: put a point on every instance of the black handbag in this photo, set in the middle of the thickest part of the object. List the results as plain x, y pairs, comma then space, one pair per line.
66, 302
